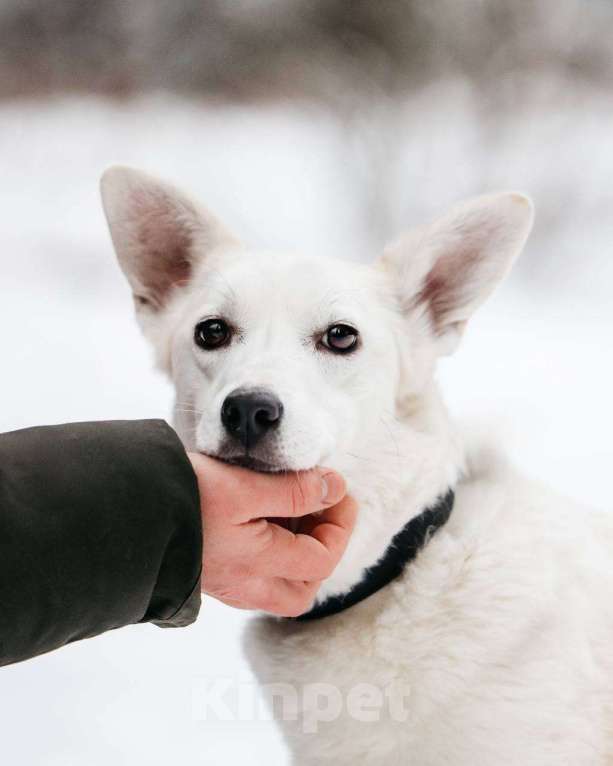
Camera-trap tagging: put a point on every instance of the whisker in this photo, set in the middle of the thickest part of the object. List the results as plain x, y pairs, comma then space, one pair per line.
190, 410
359, 457
392, 436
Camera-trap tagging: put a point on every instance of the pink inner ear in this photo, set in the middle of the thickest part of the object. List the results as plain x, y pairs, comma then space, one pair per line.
166, 267
446, 286
163, 242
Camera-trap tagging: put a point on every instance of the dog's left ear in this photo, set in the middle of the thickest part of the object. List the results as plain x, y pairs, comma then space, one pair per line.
448, 268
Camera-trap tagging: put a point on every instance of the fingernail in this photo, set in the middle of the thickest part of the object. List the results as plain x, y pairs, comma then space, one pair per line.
332, 487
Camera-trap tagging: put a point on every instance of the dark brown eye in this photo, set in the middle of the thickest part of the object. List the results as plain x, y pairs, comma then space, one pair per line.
341, 338
212, 334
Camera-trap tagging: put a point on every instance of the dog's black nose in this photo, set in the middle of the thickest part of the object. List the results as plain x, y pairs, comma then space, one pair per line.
249, 414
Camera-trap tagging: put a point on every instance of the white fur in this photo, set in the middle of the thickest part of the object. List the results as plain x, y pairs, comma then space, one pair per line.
501, 626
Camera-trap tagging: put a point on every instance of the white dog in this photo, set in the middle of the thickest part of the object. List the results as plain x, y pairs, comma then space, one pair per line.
471, 618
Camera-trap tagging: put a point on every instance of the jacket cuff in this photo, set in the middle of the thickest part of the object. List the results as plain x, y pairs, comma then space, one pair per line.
187, 613
177, 575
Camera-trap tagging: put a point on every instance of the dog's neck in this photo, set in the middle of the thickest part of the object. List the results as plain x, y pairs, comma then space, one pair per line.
401, 470
401, 551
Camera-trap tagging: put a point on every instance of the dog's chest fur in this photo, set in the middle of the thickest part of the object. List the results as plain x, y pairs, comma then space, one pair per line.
499, 631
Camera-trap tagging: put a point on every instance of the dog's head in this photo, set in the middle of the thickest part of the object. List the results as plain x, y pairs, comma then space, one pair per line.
284, 362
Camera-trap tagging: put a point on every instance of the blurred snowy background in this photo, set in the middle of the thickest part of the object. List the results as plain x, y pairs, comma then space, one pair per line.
323, 125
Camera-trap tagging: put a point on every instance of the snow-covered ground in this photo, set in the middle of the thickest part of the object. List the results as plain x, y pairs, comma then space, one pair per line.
536, 368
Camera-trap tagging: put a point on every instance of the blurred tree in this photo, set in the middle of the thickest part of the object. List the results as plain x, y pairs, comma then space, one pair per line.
378, 66
323, 49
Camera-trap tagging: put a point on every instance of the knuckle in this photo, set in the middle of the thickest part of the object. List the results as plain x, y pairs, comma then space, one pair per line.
305, 603
295, 607
315, 486
351, 510
293, 611
272, 604
268, 600
296, 496
326, 567
303, 600
309, 484
263, 535
264, 603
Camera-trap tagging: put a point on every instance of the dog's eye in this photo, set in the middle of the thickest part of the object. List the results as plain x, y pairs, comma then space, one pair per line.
341, 338
212, 334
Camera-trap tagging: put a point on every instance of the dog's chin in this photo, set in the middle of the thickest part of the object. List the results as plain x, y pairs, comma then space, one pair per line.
250, 462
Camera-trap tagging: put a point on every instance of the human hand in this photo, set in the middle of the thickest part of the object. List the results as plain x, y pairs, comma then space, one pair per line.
252, 559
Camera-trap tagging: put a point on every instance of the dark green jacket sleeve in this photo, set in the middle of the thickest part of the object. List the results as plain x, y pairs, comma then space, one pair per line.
100, 527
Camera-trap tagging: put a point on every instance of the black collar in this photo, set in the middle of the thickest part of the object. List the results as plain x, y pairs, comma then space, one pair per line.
404, 547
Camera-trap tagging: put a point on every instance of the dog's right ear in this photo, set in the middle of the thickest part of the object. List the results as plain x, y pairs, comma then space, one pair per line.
159, 235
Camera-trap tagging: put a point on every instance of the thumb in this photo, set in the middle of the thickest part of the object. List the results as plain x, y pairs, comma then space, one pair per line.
292, 495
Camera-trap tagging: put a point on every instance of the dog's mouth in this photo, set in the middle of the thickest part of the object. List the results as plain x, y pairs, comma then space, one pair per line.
250, 462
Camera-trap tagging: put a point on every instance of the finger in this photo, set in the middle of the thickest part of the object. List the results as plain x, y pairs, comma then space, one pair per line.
334, 526
291, 599
289, 495
278, 596
310, 556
